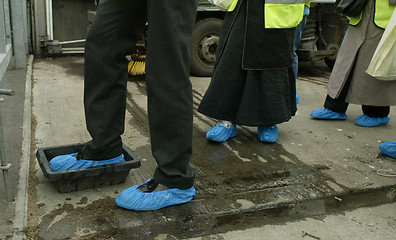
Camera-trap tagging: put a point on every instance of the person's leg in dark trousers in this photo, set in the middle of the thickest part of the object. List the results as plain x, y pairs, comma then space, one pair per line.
170, 108
375, 111
338, 105
113, 34
170, 104
168, 85
373, 116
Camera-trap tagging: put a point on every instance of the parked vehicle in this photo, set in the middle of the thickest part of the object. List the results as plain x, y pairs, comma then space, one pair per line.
320, 41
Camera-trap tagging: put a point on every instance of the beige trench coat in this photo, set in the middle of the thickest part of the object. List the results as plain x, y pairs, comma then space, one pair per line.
355, 54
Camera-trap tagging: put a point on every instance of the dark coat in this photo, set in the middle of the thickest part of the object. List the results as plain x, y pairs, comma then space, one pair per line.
253, 82
263, 48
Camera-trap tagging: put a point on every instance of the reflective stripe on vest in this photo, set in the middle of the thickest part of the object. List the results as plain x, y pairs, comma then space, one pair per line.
382, 14
232, 6
283, 13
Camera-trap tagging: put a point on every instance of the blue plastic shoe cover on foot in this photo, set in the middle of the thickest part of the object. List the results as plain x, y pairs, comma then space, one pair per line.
388, 148
268, 134
133, 199
324, 113
222, 131
366, 121
69, 162
297, 98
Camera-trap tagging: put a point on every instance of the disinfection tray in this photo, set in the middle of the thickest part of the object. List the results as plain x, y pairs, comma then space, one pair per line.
85, 178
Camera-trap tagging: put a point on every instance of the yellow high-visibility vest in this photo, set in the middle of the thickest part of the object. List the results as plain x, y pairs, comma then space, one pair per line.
382, 14
283, 13
232, 6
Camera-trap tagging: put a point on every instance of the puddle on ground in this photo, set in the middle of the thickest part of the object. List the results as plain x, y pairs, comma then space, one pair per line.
103, 220
243, 167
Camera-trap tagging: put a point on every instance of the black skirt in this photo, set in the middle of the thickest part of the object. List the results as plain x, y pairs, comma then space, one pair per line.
248, 97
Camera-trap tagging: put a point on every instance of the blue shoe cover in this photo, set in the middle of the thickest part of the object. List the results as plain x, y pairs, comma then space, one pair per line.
133, 199
221, 132
388, 148
268, 134
297, 98
69, 162
366, 121
324, 113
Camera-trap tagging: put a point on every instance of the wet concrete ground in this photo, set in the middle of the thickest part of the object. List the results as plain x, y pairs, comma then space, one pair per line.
316, 167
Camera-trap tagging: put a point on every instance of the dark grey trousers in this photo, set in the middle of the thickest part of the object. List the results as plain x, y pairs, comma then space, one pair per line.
112, 36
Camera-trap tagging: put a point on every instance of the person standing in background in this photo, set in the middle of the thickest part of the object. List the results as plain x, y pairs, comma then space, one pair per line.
253, 82
349, 82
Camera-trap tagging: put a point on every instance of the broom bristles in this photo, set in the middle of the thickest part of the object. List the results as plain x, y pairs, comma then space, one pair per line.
136, 67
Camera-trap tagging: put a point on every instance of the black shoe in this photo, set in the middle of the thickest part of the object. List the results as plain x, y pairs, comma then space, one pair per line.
152, 186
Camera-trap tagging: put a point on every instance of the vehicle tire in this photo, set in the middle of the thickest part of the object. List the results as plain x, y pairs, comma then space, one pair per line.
203, 44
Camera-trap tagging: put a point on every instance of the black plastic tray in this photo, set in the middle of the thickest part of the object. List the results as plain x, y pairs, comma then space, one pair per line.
85, 178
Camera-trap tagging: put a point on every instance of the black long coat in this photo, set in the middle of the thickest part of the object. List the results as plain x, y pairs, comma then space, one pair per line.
277, 44
253, 81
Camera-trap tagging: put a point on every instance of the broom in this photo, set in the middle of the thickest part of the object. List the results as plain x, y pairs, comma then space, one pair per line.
137, 65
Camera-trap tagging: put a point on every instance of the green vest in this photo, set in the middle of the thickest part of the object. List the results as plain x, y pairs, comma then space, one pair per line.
232, 6
280, 13
382, 14
283, 13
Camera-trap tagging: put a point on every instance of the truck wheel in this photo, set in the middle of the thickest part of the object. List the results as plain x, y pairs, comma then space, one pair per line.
203, 44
